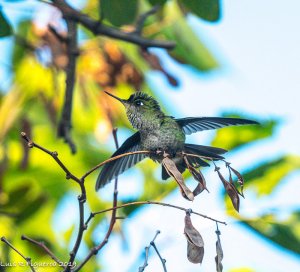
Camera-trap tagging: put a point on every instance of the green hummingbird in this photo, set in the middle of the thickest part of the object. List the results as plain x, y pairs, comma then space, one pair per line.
160, 132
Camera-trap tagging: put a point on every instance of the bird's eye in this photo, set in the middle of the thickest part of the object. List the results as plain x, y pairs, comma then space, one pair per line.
139, 103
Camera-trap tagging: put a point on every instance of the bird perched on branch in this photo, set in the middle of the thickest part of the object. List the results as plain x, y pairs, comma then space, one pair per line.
159, 132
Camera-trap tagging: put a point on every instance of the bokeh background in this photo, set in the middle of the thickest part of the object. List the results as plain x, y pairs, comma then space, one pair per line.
236, 58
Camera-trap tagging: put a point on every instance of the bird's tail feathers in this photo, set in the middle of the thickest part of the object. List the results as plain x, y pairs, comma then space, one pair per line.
209, 152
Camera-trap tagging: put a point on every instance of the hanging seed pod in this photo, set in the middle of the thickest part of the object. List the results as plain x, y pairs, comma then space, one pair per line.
172, 170
195, 244
231, 191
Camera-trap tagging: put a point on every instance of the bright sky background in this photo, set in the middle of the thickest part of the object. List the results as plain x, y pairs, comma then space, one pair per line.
258, 45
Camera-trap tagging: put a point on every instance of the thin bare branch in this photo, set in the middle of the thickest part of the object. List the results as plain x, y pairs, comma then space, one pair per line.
59, 36
113, 219
163, 261
113, 159
161, 204
141, 20
27, 259
44, 247
53, 154
81, 197
65, 123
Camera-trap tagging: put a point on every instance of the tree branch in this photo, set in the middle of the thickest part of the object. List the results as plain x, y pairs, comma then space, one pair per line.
81, 198
141, 20
53, 154
44, 247
100, 29
65, 123
163, 261
95, 250
27, 259
161, 204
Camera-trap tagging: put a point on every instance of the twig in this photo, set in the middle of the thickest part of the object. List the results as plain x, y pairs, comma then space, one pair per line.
59, 36
44, 247
65, 123
141, 20
113, 219
27, 259
100, 29
161, 204
53, 154
163, 261
113, 159
81, 197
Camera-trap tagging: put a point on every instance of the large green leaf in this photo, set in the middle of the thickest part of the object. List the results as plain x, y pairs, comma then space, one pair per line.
233, 137
189, 49
119, 12
5, 28
284, 233
206, 9
264, 178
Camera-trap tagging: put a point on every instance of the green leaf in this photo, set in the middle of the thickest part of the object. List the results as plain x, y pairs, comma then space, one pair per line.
233, 137
284, 233
119, 12
267, 176
5, 27
206, 9
157, 2
30, 208
189, 49
19, 50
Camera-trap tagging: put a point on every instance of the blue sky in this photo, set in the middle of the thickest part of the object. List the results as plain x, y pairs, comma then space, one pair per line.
257, 43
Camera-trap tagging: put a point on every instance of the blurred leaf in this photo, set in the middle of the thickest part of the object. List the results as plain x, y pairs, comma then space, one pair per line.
30, 208
195, 244
5, 28
10, 108
67, 235
19, 50
17, 196
119, 12
282, 232
265, 178
237, 136
206, 9
242, 269
157, 2
189, 49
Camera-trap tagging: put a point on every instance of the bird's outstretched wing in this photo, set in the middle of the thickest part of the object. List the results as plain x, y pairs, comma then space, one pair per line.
194, 124
114, 168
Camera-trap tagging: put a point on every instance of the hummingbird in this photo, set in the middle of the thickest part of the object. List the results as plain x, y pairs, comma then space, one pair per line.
160, 132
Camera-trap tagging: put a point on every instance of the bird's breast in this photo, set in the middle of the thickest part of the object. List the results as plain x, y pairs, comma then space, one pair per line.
169, 139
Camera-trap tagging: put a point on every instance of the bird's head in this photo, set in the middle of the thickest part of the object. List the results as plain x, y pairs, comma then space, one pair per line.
142, 110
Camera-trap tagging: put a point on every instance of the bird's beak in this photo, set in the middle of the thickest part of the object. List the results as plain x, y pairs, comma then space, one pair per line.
124, 102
